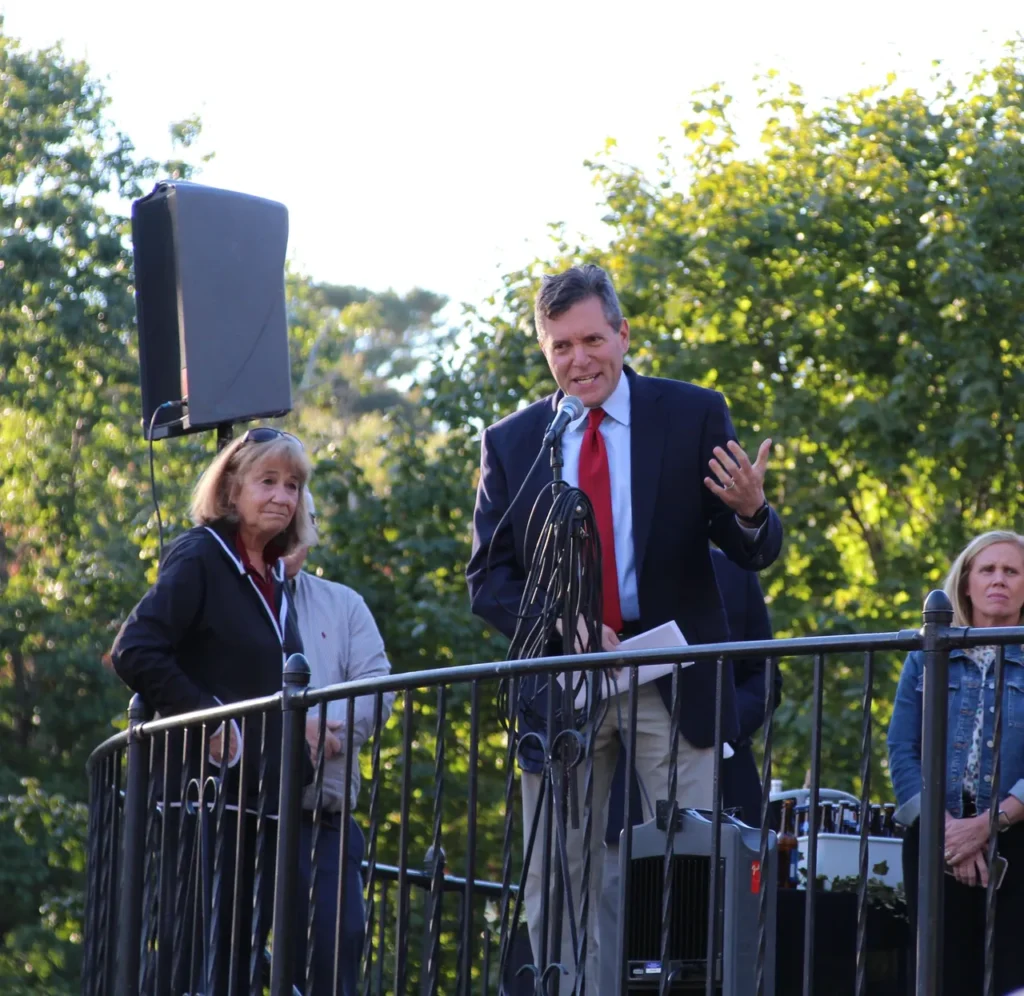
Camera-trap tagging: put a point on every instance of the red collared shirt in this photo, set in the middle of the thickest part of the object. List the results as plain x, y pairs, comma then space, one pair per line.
264, 583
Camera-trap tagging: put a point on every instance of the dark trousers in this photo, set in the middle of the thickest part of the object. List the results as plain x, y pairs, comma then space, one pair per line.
326, 939
963, 947
197, 914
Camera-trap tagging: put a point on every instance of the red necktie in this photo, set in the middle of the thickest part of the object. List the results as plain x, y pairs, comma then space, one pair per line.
595, 482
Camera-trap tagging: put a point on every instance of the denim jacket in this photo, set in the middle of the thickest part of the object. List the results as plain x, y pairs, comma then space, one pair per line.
964, 688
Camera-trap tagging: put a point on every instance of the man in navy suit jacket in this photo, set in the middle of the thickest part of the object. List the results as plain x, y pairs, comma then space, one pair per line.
678, 479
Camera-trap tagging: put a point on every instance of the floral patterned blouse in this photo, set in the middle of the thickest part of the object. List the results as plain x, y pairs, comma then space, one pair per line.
983, 658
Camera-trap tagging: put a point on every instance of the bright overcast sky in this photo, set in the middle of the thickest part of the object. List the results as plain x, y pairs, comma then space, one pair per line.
431, 144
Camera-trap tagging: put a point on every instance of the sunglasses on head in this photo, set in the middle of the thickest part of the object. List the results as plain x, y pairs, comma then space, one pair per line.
266, 434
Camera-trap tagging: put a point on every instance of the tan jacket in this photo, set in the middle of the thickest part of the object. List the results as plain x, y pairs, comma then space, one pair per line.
342, 643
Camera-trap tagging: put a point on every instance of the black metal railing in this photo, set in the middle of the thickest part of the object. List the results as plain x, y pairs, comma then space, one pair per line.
194, 869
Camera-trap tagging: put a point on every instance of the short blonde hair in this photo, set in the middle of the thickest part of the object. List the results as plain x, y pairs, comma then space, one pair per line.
213, 499
955, 585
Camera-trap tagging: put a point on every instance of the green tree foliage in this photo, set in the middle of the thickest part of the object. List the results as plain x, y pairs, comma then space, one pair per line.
71, 508
853, 286
78, 536
354, 351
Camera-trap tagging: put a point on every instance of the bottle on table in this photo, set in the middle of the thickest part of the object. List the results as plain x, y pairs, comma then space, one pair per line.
889, 827
802, 825
788, 848
875, 823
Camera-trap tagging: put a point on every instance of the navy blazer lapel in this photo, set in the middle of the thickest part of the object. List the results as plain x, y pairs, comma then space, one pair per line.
647, 443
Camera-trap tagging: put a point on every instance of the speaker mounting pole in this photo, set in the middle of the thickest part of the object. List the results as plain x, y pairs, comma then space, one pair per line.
225, 433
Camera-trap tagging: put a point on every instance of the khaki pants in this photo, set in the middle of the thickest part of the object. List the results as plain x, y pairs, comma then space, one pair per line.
694, 788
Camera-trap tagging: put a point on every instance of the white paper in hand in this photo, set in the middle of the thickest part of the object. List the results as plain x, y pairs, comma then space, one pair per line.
665, 636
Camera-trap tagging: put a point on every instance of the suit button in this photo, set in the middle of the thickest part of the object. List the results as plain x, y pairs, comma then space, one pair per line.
991, 743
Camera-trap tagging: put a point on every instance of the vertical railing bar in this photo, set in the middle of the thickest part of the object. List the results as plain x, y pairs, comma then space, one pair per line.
259, 862
430, 970
404, 833
314, 845
812, 824
582, 943
507, 928
343, 838
710, 984
184, 930
626, 847
668, 879
130, 919
861, 980
116, 841
993, 822
236, 889
108, 877
221, 790
289, 824
150, 876
764, 897
550, 941
198, 962
164, 887
938, 615
463, 982
371, 843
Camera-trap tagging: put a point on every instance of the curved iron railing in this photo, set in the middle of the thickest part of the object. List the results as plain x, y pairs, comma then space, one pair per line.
188, 863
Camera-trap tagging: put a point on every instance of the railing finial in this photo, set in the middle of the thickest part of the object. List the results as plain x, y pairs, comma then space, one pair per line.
137, 711
938, 608
296, 670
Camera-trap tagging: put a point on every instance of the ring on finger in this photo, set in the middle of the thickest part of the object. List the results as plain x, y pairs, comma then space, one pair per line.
729, 486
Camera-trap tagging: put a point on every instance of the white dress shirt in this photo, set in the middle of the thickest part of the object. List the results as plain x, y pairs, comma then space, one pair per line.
615, 430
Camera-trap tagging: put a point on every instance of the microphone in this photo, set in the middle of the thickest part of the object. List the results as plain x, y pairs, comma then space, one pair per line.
569, 409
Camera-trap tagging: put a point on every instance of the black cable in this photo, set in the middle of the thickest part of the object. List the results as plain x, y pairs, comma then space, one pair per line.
152, 472
504, 519
563, 582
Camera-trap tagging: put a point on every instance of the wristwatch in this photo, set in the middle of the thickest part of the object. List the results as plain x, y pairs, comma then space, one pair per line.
1004, 820
758, 519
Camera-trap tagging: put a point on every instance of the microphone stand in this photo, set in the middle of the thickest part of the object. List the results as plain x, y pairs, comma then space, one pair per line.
560, 799
569, 628
557, 562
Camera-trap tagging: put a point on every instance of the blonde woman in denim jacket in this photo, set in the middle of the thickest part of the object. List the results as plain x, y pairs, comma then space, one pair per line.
986, 588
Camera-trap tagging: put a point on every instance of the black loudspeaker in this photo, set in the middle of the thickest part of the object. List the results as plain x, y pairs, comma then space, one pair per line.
210, 300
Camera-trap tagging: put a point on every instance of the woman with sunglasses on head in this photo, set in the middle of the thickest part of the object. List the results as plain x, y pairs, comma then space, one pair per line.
216, 628
986, 588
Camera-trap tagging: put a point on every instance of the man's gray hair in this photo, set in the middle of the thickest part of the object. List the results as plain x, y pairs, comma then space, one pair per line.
559, 292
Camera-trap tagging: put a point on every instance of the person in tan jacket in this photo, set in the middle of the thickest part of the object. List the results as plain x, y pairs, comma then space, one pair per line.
341, 643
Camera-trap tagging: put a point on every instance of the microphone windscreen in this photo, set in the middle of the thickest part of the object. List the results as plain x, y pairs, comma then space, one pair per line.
572, 405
